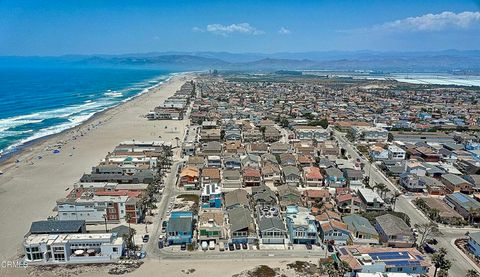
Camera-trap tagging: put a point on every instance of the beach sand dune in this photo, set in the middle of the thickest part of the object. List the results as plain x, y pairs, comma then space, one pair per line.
29, 187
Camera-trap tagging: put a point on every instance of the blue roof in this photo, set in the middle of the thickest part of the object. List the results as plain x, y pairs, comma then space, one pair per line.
466, 201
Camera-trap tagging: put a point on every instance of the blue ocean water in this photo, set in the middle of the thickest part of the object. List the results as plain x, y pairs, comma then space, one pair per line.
37, 102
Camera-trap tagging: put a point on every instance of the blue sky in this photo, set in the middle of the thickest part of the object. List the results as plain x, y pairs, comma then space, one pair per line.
115, 27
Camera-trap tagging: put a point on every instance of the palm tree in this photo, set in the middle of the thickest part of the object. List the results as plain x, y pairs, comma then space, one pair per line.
394, 199
441, 262
381, 188
177, 139
472, 273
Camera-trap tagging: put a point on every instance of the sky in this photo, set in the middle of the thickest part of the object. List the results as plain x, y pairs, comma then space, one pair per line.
50, 28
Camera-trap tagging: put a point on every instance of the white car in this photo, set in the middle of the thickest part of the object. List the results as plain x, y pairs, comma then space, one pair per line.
211, 245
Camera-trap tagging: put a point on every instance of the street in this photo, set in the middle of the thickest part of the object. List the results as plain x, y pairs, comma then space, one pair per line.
460, 264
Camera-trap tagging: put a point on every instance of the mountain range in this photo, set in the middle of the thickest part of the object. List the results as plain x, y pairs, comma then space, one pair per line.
438, 61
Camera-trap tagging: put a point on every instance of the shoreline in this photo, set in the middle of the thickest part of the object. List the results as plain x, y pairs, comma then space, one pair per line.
10, 156
30, 187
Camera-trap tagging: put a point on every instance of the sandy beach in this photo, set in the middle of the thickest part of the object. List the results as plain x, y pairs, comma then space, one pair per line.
29, 187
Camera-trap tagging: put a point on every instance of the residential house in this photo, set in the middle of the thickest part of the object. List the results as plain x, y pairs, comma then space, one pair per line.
232, 162
292, 175
434, 186
242, 226
272, 134
72, 248
196, 161
58, 227
264, 196
371, 200
315, 197
445, 213
354, 178
288, 159
236, 198
334, 232
334, 178
474, 243
301, 225
289, 195
257, 148
232, 178
378, 153
252, 177
211, 196
189, 177
393, 231
271, 173
312, 176
396, 153
465, 205
211, 226
214, 161
272, 230
251, 160
316, 133
210, 176
213, 148
180, 228
455, 183
345, 202
361, 229
278, 148
411, 182
368, 259
305, 160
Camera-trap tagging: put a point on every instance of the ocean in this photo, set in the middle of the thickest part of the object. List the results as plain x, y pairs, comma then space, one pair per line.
36, 102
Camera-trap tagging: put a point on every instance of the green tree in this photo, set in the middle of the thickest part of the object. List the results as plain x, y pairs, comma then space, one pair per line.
390, 137
427, 231
472, 273
441, 262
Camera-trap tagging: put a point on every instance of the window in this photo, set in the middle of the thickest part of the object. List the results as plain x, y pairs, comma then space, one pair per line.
37, 256
115, 249
59, 257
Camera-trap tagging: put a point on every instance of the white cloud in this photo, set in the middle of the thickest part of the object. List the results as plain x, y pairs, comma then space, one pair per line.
225, 30
432, 22
196, 29
284, 31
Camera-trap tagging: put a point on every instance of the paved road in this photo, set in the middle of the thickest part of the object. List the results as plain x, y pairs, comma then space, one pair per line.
460, 264
168, 193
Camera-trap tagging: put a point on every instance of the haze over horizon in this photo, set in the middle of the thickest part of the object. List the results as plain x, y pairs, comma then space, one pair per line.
38, 28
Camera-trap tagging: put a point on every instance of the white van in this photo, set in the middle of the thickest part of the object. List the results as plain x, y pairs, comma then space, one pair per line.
221, 246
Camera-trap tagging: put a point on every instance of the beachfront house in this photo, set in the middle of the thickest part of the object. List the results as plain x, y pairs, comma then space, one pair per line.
72, 248
180, 228
301, 225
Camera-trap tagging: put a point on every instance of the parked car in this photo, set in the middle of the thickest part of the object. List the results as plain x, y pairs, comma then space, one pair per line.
244, 246
237, 246
204, 245
309, 246
432, 241
330, 248
211, 245
183, 247
221, 246
145, 238
429, 248
231, 246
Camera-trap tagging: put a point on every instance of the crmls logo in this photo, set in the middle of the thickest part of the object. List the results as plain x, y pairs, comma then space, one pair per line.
14, 264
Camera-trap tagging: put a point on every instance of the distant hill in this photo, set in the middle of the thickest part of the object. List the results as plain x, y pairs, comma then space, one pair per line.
439, 61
